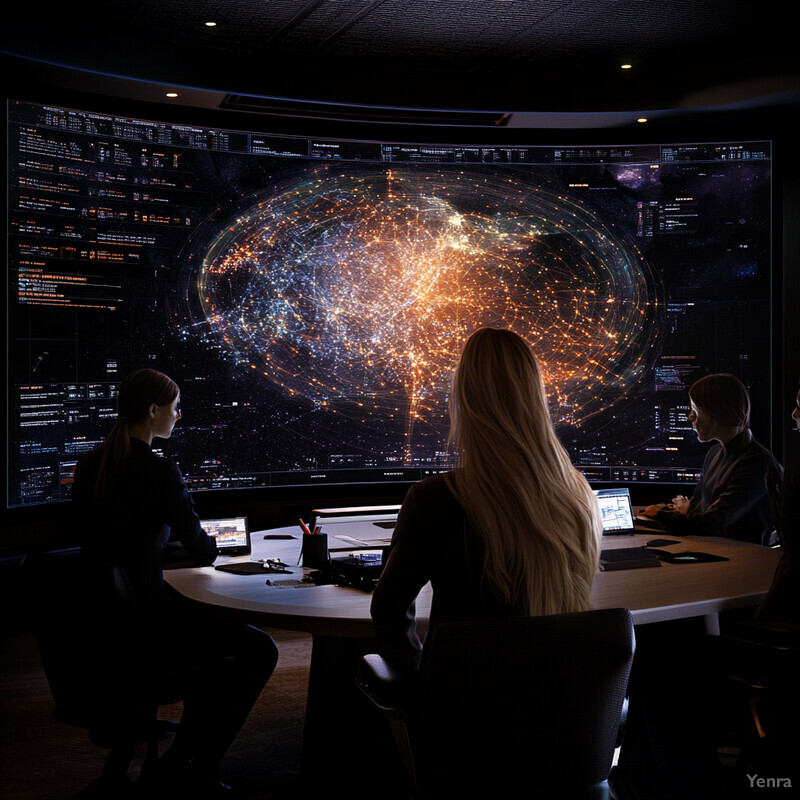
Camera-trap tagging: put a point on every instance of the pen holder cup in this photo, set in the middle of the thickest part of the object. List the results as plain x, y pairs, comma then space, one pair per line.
315, 550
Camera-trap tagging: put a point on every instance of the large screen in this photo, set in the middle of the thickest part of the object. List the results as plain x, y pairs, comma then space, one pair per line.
311, 296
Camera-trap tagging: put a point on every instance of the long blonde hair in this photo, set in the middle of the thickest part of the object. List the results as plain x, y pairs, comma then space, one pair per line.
536, 515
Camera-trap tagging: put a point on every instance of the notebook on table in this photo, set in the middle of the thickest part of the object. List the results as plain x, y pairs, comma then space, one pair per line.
232, 535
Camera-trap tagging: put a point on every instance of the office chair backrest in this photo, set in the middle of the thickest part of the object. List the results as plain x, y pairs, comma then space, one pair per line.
530, 704
60, 609
82, 624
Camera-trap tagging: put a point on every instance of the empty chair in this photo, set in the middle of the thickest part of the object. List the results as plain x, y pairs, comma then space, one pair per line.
517, 707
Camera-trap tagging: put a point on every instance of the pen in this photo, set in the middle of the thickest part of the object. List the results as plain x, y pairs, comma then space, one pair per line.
303, 526
317, 530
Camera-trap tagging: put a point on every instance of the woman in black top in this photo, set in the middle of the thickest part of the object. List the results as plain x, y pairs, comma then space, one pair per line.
731, 497
128, 503
513, 531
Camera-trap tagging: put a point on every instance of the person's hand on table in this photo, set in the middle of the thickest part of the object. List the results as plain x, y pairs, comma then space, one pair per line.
680, 503
651, 511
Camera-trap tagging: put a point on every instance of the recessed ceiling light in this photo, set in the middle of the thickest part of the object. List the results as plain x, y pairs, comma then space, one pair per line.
626, 66
210, 24
172, 94
642, 119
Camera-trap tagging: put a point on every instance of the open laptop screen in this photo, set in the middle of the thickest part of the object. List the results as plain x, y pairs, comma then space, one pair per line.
232, 535
616, 510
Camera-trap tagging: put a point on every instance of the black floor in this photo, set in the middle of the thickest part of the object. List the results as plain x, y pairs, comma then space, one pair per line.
41, 759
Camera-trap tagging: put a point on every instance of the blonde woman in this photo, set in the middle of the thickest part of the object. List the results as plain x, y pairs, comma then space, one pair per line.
514, 530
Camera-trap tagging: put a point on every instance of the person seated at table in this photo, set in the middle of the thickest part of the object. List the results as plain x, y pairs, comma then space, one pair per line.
731, 498
764, 648
514, 530
671, 735
782, 603
127, 500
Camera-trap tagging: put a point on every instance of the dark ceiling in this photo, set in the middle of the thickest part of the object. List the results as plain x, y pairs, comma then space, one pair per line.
523, 61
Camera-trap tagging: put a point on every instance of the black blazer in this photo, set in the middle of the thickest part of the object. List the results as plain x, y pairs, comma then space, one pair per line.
731, 498
147, 504
432, 542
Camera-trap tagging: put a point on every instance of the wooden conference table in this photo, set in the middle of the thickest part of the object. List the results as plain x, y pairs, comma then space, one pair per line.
672, 591
339, 620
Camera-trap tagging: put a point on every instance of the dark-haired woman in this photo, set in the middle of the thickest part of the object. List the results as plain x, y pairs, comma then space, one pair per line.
731, 498
128, 503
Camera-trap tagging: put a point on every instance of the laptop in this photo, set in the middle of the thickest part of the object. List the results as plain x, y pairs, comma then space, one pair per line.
232, 535
616, 510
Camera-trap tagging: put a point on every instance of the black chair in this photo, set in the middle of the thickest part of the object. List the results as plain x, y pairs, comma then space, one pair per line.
759, 695
759, 658
94, 686
522, 707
